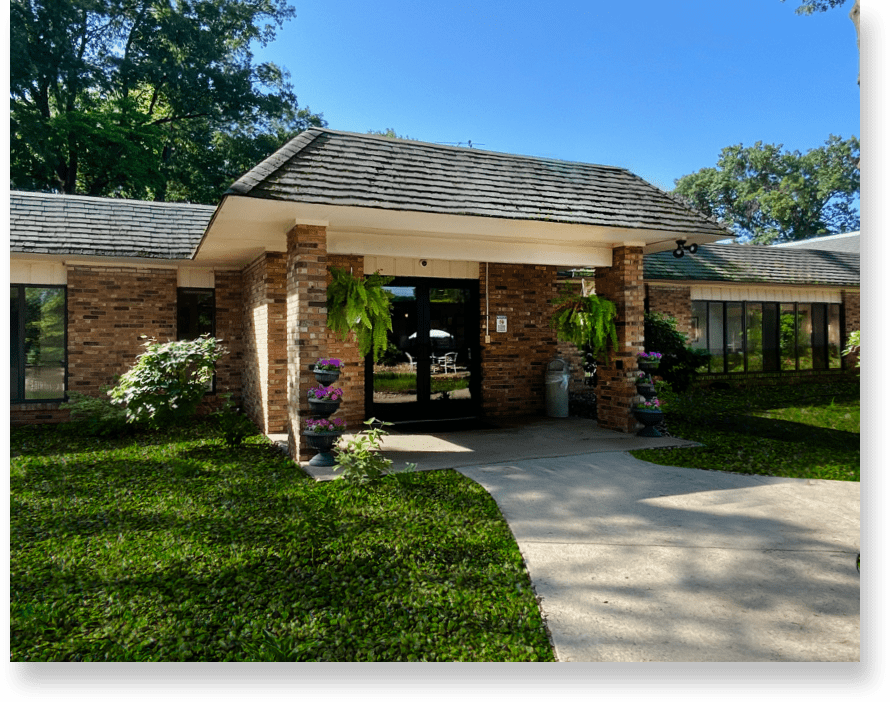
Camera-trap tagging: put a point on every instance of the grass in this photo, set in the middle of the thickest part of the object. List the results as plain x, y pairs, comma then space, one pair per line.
171, 547
797, 431
407, 382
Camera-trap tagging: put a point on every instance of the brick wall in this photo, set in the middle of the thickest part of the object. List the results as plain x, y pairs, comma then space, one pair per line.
622, 283
264, 355
306, 325
229, 315
352, 378
672, 300
514, 363
110, 308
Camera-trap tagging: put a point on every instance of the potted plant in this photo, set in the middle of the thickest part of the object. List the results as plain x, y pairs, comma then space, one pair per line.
588, 321
324, 401
361, 306
645, 386
327, 370
648, 360
321, 435
649, 414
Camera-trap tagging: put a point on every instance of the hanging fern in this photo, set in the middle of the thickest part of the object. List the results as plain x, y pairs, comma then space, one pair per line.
587, 322
361, 306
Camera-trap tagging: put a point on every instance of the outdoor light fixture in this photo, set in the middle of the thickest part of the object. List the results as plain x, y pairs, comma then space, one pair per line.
681, 247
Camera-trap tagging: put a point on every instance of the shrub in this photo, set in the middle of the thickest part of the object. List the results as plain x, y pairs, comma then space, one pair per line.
232, 423
361, 460
168, 380
680, 362
97, 416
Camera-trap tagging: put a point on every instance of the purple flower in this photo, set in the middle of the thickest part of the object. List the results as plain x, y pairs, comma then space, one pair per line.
328, 364
649, 356
318, 426
323, 393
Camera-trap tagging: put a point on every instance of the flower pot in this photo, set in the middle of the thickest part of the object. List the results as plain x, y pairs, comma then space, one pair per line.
322, 442
323, 408
326, 377
647, 390
648, 366
649, 419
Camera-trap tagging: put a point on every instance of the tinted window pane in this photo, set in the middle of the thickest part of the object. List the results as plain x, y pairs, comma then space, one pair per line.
698, 332
15, 357
834, 336
715, 336
788, 336
735, 338
820, 336
194, 314
804, 336
770, 336
44, 343
754, 331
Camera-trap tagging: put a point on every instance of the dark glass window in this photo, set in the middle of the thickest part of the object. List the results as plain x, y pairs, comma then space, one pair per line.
195, 313
767, 336
38, 356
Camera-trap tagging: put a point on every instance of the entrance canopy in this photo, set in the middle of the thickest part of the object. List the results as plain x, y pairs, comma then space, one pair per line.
395, 197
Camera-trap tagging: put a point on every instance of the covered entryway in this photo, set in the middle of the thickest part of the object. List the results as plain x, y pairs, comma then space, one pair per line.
431, 368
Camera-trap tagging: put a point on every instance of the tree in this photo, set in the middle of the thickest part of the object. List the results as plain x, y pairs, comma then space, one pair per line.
768, 195
145, 98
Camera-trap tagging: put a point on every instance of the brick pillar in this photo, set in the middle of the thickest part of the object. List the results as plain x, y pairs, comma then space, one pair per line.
352, 377
850, 302
616, 388
306, 325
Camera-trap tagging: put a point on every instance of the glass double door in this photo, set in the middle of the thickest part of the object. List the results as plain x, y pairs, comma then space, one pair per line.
430, 368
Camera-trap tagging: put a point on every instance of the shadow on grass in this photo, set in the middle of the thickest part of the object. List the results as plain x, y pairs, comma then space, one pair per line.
783, 430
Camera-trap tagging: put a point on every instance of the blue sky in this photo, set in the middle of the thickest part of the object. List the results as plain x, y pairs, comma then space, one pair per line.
657, 87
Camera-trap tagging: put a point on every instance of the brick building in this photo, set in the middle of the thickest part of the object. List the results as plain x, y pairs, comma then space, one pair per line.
474, 241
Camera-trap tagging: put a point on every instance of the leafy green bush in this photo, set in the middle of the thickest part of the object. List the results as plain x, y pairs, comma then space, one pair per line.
97, 416
168, 380
680, 362
233, 424
361, 460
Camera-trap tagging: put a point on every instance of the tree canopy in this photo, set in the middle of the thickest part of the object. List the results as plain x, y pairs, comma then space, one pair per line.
149, 99
768, 195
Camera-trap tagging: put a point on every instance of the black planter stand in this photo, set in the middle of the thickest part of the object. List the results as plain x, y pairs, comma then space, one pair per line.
324, 441
648, 418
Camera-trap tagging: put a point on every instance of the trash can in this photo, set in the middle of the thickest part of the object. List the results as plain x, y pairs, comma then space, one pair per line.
556, 388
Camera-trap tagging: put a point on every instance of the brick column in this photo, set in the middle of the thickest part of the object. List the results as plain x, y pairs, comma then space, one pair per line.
352, 377
850, 302
616, 388
306, 325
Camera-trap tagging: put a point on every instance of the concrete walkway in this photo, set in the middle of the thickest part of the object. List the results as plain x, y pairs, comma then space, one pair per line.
638, 562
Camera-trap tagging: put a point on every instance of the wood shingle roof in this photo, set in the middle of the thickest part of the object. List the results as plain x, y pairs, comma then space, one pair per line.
735, 263
322, 166
49, 223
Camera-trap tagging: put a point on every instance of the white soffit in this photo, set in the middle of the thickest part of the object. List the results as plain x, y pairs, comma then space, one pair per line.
421, 267
24, 272
245, 227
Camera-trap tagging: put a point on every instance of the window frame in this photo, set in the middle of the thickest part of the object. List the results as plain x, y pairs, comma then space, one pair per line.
17, 346
826, 317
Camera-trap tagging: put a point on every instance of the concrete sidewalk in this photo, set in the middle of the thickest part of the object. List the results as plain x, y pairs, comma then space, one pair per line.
503, 440
638, 562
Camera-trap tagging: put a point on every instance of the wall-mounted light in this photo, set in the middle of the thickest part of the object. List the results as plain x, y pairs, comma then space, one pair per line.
681, 247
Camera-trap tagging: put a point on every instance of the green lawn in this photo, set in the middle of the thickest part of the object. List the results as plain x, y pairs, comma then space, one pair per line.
407, 382
171, 547
798, 431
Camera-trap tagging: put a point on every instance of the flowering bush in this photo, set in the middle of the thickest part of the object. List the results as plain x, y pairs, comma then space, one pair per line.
650, 356
654, 404
318, 426
328, 364
323, 393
